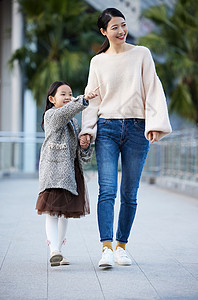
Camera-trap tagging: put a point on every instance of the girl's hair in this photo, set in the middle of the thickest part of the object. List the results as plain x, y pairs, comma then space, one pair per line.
103, 21
52, 92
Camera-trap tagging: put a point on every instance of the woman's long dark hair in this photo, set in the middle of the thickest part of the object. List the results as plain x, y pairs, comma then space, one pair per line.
103, 21
52, 92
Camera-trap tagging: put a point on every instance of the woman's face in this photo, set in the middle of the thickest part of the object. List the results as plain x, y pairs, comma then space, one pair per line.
116, 31
63, 96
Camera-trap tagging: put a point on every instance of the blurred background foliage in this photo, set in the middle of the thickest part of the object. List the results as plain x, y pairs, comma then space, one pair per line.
60, 39
174, 43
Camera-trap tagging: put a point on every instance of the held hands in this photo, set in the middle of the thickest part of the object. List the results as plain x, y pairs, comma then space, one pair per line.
84, 141
91, 94
153, 136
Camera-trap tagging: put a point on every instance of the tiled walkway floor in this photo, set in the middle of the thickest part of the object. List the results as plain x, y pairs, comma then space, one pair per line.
163, 247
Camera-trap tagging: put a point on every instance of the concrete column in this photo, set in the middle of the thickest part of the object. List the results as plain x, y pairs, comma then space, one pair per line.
16, 80
5, 76
29, 157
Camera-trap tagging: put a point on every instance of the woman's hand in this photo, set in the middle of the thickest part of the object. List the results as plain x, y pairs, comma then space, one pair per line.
85, 141
91, 94
153, 136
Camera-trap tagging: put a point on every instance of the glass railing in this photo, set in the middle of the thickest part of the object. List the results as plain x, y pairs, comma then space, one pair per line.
19, 152
174, 156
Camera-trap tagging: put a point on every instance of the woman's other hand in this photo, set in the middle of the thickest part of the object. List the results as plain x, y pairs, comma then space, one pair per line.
153, 136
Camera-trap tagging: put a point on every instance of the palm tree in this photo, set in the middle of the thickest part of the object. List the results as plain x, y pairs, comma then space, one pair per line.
60, 40
174, 43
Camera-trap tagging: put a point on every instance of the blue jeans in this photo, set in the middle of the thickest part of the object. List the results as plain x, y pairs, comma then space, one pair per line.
115, 136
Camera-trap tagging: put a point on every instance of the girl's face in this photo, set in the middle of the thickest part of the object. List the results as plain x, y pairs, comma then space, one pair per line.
116, 31
63, 96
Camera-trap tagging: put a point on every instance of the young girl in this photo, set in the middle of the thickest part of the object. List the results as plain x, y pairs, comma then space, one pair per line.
130, 111
62, 192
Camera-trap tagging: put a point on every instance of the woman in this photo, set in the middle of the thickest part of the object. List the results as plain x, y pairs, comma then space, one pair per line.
129, 111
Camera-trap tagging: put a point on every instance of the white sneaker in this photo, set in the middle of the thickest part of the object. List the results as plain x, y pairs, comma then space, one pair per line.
107, 258
121, 257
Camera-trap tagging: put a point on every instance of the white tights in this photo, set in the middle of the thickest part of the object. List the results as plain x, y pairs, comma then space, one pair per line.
56, 231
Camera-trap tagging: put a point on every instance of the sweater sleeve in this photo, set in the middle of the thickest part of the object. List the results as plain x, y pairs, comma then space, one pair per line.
60, 116
90, 115
156, 112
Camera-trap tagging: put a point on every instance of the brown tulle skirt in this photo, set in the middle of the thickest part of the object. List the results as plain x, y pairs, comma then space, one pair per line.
57, 201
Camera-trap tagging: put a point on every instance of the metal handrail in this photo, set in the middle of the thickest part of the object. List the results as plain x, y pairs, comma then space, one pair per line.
21, 137
175, 155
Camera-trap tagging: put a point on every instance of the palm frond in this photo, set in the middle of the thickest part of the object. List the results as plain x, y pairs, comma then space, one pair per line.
59, 43
181, 102
175, 38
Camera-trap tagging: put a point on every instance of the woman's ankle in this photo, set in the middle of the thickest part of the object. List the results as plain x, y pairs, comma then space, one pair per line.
121, 245
108, 245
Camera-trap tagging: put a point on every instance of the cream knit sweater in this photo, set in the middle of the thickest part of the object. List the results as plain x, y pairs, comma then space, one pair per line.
128, 88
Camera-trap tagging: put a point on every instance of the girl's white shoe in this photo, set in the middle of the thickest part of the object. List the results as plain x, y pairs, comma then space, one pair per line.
121, 257
55, 258
64, 261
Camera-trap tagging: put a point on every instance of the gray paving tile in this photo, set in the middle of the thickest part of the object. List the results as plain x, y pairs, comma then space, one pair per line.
76, 281
27, 287
187, 297
79, 295
192, 268
124, 282
22, 298
170, 279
